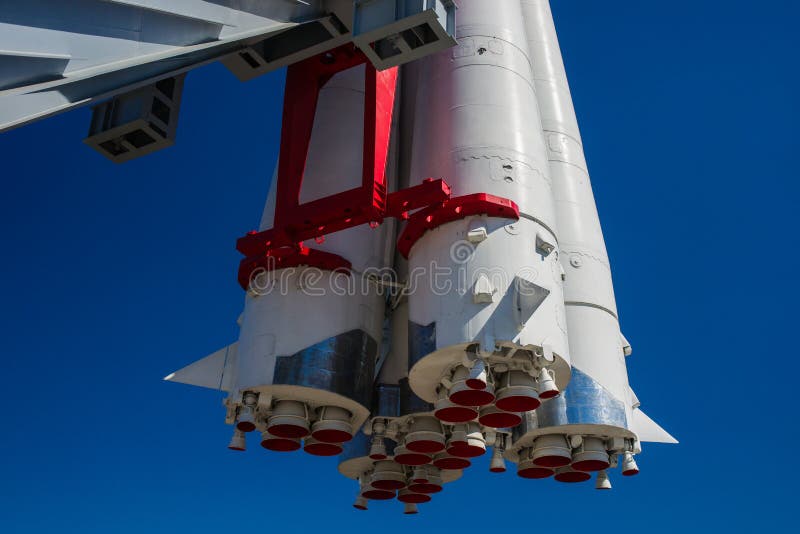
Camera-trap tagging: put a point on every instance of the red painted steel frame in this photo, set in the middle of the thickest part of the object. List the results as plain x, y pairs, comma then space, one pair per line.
453, 210
363, 204
282, 246
295, 222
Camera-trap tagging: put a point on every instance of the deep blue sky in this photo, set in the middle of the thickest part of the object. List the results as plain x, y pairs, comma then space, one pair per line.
113, 276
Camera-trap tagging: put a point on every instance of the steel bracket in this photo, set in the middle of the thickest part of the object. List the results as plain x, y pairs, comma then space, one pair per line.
453, 210
370, 203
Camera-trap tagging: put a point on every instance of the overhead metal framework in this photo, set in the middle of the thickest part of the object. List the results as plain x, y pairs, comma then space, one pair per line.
57, 55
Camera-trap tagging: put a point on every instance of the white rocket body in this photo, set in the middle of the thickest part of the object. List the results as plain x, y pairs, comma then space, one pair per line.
505, 333
307, 334
598, 399
502, 318
494, 283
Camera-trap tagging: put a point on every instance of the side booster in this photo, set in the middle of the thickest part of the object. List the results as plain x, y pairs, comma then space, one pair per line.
304, 365
487, 331
596, 423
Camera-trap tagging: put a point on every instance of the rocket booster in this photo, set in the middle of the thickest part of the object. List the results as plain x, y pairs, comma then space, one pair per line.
497, 301
482, 318
308, 342
599, 397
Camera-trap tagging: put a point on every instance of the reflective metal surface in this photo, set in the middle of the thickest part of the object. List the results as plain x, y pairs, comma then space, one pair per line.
343, 364
584, 402
590, 403
552, 412
409, 402
530, 421
358, 447
421, 341
387, 401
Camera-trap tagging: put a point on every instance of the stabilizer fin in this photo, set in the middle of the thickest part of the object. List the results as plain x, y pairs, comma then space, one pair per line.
213, 371
648, 430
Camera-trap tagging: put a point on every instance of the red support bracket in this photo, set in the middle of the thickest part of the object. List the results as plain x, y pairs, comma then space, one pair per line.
304, 80
453, 210
282, 245
430, 192
265, 251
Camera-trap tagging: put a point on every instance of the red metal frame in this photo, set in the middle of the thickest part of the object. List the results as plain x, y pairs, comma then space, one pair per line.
362, 204
282, 245
453, 210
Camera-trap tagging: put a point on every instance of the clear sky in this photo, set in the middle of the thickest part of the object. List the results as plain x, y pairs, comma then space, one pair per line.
113, 276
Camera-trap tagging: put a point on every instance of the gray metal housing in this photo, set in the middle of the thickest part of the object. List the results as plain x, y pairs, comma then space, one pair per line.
57, 55
137, 123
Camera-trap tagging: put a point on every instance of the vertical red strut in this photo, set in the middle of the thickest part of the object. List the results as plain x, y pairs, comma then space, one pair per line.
304, 81
282, 245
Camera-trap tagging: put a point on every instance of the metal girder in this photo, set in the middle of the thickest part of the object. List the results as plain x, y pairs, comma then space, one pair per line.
55, 56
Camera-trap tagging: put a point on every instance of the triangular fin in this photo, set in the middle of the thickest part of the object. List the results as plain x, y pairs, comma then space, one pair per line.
648, 430
213, 371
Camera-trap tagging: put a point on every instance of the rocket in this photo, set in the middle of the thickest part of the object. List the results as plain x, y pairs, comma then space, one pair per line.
429, 282
598, 413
